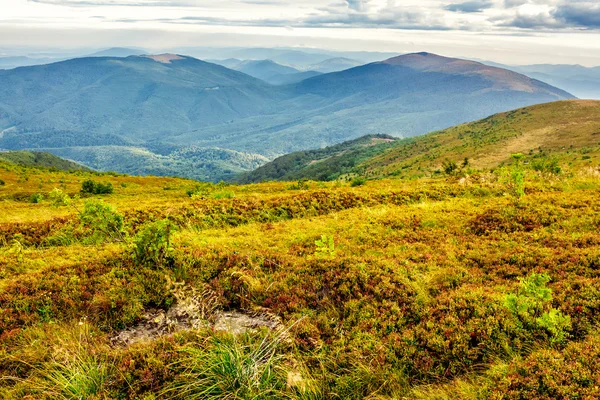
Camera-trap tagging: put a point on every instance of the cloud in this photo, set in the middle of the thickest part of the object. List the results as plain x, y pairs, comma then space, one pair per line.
470, 6
583, 15
564, 14
357, 5
128, 3
406, 21
514, 3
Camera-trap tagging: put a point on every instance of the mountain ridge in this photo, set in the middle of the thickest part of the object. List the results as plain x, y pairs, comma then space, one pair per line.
165, 102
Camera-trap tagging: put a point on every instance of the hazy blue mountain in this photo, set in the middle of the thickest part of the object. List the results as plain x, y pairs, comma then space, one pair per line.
288, 79
300, 58
136, 99
119, 52
11, 62
334, 65
265, 70
153, 108
583, 82
230, 63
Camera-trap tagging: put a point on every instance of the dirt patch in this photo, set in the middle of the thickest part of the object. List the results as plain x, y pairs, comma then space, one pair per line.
165, 58
193, 309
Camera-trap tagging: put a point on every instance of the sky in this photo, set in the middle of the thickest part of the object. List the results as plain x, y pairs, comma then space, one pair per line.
508, 31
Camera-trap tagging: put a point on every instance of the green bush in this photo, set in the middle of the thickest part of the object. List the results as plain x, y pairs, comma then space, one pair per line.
532, 306
301, 185
103, 221
58, 198
36, 198
358, 181
449, 167
225, 194
548, 165
91, 187
517, 176
153, 244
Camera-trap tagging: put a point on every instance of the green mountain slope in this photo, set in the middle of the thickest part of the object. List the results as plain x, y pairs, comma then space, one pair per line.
568, 131
40, 159
323, 164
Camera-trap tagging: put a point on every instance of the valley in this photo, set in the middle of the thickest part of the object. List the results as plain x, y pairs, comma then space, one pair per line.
172, 105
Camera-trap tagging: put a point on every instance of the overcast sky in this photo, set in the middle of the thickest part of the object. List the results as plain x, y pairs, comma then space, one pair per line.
511, 31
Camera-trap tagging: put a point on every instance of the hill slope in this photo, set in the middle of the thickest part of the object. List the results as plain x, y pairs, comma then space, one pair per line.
568, 130
323, 164
40, 159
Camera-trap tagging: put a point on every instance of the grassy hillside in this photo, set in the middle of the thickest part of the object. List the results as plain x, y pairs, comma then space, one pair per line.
40, 159
481, 288
566, 132
323, 164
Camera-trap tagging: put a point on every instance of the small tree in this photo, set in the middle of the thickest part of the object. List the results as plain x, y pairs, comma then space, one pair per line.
58, 198
532, 305
153, 244
103, 220
449, 167
358, 181
517, 176
91, 187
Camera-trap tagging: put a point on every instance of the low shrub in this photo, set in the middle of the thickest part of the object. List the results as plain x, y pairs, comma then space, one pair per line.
358, 181
302, 184
36, 198
91, 187
152, 245
58, 198
103, 221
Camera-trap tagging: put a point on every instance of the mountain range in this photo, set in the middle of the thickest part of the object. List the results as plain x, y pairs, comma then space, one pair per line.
169, 111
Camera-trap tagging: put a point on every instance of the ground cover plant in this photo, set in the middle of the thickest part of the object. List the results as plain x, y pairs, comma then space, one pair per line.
476, 286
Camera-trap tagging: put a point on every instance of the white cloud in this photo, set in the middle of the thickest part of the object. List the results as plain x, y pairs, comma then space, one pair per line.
381, 23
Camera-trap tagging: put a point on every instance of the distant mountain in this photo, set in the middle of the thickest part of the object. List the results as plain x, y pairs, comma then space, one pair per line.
288, 79
322, 164
581, 81
126, 100
301, 58
205, 164
118, 52
265, 70
40, 159
334, 65
158, 105
230, 63
24, 61
567, 131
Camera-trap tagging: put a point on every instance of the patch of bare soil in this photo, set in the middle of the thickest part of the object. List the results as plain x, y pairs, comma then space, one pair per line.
165, 58
193, 309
